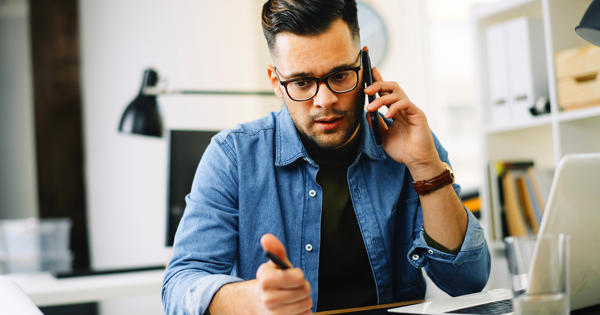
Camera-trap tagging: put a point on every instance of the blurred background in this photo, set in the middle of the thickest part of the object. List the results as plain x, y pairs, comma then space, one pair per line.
69, 68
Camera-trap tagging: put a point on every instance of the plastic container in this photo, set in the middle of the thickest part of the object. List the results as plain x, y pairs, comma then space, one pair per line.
32, 245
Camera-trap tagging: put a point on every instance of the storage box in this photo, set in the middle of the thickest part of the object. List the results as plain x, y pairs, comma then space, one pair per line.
578, 77
31, 245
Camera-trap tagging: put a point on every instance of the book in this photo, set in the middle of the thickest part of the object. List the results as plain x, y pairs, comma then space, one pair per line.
536, 199
541, 181
498, 215
526, 202
497, 171
515, 219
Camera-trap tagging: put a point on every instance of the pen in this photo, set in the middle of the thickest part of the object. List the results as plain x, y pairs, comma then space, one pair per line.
277, 261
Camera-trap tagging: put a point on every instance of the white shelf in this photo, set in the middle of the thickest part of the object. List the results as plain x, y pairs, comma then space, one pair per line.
46, 290
496, 246
534, 122
544, 139
579, 114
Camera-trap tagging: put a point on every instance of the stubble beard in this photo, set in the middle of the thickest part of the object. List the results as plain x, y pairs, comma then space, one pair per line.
324, 140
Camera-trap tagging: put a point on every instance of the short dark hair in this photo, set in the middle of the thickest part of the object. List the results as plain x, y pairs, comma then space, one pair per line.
306, 17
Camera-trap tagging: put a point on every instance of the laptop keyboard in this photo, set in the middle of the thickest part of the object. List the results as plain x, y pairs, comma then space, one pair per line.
493, 308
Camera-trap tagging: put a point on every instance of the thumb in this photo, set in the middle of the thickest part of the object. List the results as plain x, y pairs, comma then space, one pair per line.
271, 244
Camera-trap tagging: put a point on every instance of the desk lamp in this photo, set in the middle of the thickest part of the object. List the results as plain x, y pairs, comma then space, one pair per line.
142, 116
589, 27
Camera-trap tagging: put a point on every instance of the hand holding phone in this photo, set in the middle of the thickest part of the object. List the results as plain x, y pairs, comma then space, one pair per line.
368, 80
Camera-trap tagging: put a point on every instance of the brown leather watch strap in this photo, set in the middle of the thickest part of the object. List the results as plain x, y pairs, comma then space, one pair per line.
424, 187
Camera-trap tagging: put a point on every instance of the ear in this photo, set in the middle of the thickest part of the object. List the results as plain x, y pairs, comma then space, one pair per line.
274, 81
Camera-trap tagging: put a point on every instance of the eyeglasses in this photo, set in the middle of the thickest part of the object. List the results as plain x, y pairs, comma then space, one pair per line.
305, 88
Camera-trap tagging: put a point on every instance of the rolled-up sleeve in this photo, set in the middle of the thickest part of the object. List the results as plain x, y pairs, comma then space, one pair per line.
463, 273
205, 243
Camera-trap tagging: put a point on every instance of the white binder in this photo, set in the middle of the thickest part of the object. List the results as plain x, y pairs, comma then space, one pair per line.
499, 113
517, 69
527, 78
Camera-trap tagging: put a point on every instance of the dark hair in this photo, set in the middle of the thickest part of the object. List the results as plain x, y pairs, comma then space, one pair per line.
306, 17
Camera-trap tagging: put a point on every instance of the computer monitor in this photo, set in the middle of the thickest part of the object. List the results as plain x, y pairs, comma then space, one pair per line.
185, 151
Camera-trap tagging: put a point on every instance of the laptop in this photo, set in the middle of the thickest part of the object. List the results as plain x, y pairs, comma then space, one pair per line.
14, 300
573, 208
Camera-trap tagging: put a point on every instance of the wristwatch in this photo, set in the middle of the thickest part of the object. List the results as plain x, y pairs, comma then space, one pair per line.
424, 187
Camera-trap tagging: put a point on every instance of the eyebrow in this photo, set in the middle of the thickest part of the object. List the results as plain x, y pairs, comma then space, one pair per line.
296, 75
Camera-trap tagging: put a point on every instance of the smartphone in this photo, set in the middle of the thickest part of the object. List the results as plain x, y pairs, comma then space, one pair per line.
368, 80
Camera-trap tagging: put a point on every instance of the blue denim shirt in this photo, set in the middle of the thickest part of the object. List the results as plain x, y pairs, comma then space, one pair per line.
258, 178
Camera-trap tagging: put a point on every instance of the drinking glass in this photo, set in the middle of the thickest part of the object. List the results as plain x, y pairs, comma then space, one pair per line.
540, 285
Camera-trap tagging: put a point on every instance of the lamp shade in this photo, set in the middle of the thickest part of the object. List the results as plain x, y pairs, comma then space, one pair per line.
589, 27
141, 115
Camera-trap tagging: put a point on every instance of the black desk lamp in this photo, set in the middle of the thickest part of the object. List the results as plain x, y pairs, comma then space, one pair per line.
142, 116
589, 27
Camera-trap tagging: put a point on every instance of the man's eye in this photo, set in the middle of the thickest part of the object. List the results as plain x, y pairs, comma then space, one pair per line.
300, 84
340, 76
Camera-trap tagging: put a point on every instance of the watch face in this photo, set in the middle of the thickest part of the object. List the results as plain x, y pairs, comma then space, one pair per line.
450, 169
373, 32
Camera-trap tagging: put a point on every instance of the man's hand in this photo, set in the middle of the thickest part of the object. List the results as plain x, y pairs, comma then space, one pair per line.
275, 291
408, 140
282, 291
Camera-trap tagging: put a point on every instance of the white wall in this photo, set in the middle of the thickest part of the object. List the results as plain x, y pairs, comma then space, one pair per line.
18, 183
196, 44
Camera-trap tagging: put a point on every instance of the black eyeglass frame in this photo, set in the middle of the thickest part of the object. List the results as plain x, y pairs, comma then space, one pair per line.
321, 79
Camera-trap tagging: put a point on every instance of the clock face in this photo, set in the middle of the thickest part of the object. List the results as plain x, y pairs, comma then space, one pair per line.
373, 32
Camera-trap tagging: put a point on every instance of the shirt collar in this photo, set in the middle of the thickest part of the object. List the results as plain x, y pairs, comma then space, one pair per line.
289, 148
367, 144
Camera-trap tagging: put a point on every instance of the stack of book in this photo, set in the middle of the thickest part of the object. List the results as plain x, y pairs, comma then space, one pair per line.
519, 193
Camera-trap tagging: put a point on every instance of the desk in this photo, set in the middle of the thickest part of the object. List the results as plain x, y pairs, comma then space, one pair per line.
46, 290
376, 309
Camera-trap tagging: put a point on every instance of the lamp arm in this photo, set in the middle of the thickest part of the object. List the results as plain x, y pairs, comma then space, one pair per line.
164, 91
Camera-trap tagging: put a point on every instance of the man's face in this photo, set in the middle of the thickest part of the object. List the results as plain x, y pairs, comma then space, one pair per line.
329, 118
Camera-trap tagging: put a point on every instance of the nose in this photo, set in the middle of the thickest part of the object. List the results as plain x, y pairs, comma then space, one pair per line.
325, 97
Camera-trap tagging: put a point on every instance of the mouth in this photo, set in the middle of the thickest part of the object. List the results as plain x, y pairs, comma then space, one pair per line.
328, 119
328, 123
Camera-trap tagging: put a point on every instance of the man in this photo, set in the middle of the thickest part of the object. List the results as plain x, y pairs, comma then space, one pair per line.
310, 185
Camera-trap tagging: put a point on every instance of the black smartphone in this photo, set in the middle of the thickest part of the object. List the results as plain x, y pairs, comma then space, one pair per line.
368, 80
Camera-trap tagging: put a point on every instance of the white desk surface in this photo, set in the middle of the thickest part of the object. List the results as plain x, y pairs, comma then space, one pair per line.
45, 290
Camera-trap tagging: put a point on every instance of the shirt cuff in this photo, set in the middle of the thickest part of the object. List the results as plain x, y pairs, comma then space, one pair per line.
433, 243
198, 297
474, 241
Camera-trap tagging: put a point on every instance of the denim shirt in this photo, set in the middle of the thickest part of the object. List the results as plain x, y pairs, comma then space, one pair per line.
258, 178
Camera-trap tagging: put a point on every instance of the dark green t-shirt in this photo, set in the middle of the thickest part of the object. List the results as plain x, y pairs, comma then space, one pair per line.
345, 276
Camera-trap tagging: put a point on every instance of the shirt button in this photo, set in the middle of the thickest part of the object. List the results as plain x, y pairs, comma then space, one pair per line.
415, 257
308, 247
312, 193
430, 252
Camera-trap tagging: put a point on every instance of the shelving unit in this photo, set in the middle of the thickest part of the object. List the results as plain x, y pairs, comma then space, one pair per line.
544, 139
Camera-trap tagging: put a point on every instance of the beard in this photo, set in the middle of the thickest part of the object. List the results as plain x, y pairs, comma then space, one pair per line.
335, 138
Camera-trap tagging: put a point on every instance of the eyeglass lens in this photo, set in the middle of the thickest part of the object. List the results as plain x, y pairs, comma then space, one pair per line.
338, 82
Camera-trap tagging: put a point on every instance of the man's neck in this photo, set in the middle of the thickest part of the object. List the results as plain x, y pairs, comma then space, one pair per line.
342, 154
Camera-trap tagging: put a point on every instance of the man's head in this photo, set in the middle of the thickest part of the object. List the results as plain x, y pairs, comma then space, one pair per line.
316, 39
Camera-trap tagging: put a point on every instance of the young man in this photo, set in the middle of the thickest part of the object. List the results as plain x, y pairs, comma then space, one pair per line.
310, 185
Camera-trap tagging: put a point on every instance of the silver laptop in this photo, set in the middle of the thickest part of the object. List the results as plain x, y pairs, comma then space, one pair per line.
573, 208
